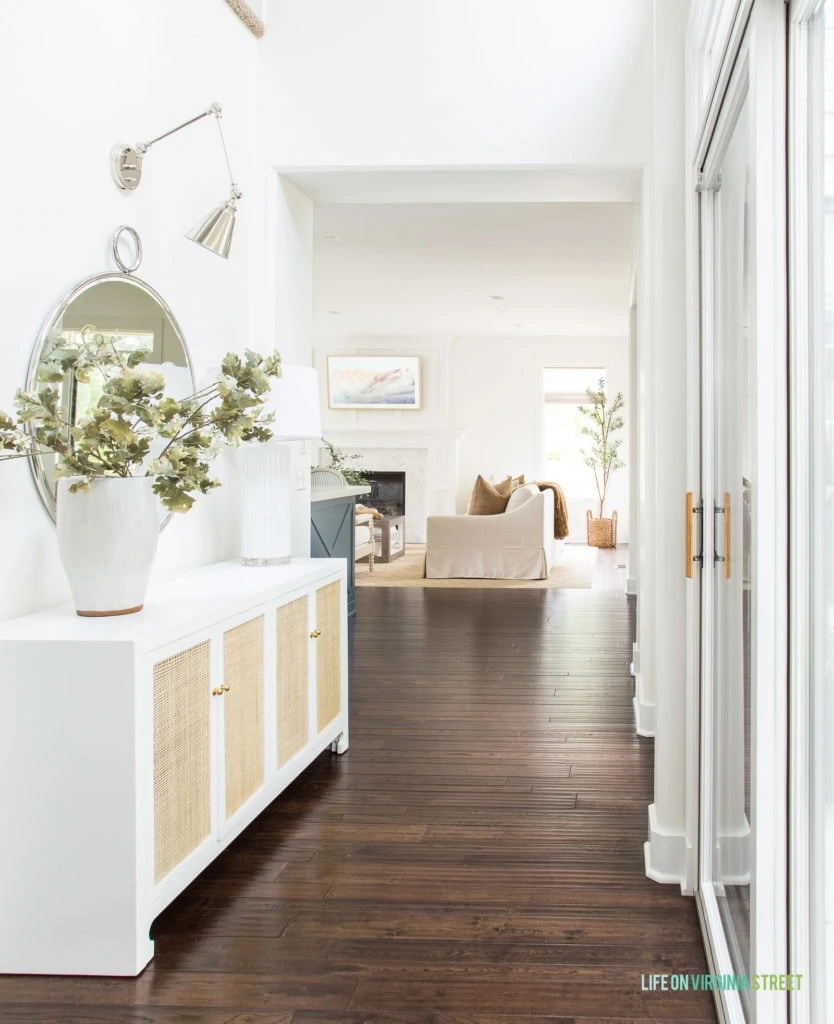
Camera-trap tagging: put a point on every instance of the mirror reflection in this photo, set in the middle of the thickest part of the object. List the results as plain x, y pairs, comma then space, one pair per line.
129, 313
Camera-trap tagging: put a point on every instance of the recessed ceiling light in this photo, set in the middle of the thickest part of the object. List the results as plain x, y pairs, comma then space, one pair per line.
518, 325
496, 296
333, 312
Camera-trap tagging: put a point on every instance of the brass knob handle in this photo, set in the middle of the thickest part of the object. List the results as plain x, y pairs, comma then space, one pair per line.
225, 688
315, 634
217, 691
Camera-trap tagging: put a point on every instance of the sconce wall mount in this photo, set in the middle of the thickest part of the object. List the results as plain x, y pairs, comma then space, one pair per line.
215, 231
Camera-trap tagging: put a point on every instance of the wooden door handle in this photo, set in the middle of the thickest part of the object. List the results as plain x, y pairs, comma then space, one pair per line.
692, 510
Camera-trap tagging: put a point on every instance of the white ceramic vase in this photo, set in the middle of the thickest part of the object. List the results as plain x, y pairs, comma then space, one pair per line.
107, 540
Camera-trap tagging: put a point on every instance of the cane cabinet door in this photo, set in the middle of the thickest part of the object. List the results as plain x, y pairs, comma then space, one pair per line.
328, 640
292, 660
182, 773
242, 695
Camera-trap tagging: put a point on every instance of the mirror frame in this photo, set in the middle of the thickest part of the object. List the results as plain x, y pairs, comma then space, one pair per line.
47, 496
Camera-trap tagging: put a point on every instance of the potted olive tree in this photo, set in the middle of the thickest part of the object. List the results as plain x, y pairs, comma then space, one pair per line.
135, 447
602, 456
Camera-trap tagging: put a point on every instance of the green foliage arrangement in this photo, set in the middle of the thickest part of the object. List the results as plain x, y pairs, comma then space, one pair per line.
135, 429
339, 460
603, 421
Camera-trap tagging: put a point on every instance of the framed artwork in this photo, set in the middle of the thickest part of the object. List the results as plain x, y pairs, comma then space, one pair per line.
373, 382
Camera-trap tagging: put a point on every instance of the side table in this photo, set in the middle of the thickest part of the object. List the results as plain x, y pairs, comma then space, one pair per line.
390, 534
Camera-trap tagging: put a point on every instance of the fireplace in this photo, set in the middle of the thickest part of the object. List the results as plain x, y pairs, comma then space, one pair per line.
387, 492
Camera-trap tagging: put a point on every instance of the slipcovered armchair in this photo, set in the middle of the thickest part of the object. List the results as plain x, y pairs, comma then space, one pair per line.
518, 544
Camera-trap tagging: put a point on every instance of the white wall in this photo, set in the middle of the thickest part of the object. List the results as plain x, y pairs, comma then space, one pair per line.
495, 396
450, 82
76, 79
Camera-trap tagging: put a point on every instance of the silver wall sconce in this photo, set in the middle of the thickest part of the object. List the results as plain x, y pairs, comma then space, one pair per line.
215, 231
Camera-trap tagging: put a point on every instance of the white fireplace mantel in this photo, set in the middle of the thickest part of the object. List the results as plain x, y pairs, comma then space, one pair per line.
429, 458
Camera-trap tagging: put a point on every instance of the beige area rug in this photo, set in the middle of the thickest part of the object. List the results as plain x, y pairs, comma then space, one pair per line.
574, 570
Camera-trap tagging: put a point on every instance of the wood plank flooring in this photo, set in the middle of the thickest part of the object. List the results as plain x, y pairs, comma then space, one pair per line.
476, 857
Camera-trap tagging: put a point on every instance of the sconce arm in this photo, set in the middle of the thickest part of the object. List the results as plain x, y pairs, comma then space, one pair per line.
215, 109
126, 161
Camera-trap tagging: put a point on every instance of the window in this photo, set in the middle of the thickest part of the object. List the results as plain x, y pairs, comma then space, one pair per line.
83, 397
564, 390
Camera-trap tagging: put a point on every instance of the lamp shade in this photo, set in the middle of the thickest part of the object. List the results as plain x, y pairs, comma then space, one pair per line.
294, 400
215, 231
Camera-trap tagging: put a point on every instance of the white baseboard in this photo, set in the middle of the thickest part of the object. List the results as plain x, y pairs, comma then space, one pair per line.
665, 854
644, 712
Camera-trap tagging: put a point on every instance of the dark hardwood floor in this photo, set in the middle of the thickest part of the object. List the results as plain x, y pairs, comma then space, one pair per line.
476, 857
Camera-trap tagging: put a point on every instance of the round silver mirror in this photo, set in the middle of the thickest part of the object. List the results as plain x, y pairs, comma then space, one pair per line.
129, 310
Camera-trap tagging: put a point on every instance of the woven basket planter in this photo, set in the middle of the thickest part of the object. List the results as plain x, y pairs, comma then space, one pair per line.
602, 533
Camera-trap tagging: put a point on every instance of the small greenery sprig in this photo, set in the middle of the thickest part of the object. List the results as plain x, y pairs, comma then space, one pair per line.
603, 455
339, 460
135, 429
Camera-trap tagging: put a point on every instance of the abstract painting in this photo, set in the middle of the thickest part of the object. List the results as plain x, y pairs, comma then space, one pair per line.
373, 382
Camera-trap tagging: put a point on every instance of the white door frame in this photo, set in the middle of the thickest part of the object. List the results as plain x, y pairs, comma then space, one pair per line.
806, 857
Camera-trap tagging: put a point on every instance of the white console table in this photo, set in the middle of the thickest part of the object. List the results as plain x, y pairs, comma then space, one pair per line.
134, 749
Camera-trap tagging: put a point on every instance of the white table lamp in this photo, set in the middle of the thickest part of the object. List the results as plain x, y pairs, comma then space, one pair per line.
266, 513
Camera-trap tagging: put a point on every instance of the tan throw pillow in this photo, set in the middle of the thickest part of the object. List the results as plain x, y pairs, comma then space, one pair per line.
489, 499
518, 481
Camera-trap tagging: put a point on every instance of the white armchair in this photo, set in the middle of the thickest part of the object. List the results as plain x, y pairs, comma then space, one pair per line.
516, 545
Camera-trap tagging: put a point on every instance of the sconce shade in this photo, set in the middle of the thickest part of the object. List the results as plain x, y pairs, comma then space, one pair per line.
215, 231
294, 399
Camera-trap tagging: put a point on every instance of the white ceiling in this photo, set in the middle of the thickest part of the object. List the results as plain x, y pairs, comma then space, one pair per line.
431, 269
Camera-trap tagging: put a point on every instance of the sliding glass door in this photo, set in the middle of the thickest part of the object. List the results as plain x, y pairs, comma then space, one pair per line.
728, 474
730, 498
743, 614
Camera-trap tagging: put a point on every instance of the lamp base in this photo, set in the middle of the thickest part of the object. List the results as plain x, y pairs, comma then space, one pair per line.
266, 511
284, 560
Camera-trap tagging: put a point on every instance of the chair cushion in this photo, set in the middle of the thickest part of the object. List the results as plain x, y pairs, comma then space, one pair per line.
520, 495
489, 499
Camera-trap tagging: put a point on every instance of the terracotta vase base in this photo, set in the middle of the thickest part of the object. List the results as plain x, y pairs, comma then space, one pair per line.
119, 611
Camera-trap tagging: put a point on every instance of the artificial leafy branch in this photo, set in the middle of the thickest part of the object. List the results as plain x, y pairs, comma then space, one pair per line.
604, 420
135, 429
339, 460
